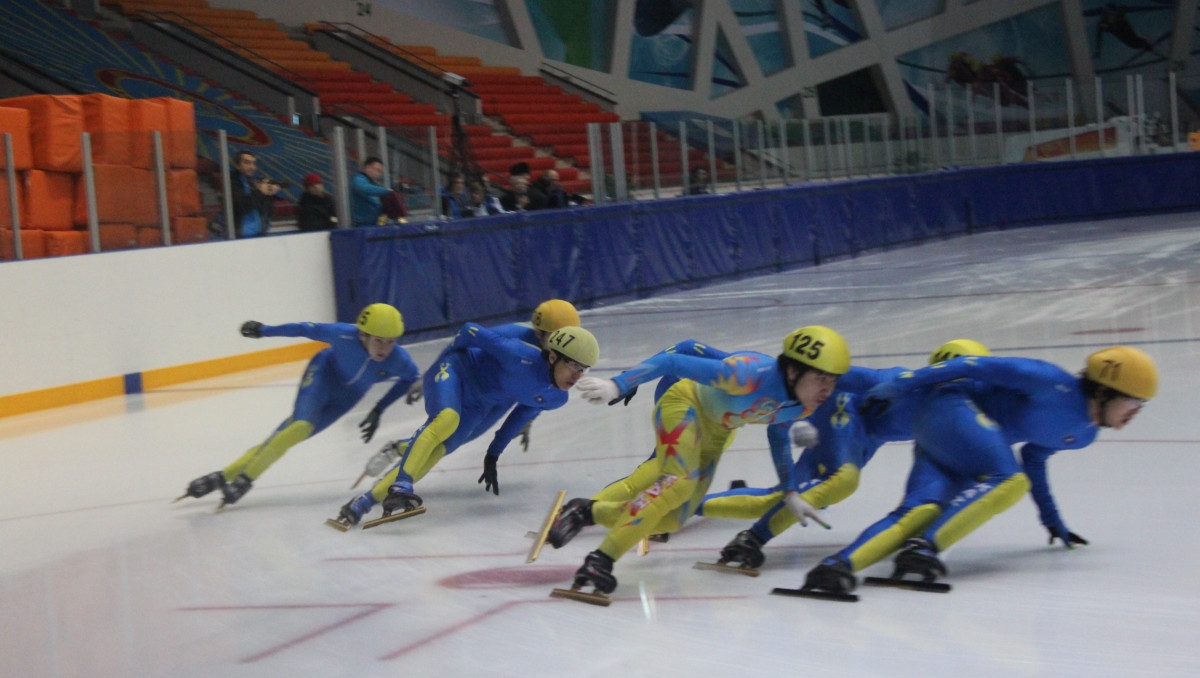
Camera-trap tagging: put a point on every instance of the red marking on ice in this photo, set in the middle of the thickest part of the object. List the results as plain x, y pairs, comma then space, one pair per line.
371, 608
504, 577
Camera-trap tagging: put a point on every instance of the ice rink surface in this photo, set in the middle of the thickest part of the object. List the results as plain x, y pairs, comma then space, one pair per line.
103, 576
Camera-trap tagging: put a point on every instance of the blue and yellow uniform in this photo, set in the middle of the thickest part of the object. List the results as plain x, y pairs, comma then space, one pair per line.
475, 380
334, 381
829, 471
964, 471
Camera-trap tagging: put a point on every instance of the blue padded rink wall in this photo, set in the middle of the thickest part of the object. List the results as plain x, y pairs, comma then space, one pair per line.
102, 576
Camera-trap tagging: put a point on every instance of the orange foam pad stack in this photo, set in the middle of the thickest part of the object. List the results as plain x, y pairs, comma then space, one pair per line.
106, 120
145, 117
33, 244
55, 126
183, 193
124, 194
15, 122
6, 202
48, 198
183, 230
189, 229
118, 237
179, 139
64, 243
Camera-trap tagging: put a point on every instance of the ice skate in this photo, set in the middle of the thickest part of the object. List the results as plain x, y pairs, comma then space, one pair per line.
576, 515
596, 572
541, 535
352, 512
745, 550
203, 485
400, 503
830, 580
235, 490
918, 559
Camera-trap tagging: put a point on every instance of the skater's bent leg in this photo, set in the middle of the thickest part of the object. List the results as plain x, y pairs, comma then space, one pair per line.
641, 517
974, 507
257, 459
628, 487
745, 503
888, 535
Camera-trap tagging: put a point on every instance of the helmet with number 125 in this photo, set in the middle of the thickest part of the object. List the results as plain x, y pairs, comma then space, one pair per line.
820, 347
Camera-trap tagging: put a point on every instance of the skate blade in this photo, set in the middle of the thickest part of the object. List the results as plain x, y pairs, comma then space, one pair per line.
643, 547
540, 538
337, 524
221, 507
393, 518
909, 584
819, 595
360, 479
721, 567
583, 597
179, 498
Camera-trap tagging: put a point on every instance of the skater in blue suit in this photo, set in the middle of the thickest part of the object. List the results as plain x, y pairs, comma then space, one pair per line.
482, 375
359, 356
964, 471
837, 444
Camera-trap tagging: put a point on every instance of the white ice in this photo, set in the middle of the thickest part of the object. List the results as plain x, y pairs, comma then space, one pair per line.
102, 576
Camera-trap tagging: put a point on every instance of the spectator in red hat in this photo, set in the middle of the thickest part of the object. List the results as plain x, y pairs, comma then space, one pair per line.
315, 210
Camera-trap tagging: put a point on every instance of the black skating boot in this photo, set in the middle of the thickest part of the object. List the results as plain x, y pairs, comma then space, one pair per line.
355, 509
400, 497
236, 489
205, 484
745, 550
574, 516
831, 576
597, 571
919, 557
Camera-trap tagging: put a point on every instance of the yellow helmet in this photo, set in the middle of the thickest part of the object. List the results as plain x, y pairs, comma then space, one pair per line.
1124, 369
957, 349
575, 343
820, 347
381, 320
553, 314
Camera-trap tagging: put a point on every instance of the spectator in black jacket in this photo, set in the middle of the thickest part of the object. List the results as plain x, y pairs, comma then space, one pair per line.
252, 196
315, 211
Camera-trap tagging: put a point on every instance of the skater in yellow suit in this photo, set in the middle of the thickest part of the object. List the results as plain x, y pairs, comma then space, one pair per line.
694, 422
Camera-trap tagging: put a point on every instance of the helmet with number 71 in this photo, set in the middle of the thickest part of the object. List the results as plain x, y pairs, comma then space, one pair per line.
820, 347
1124, 369
957, 349
575, 343
381, 320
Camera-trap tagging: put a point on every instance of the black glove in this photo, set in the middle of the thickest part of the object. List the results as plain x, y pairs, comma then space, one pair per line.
252, 329
525, 437
370, 424
874, 407
414, 392
624, 396
1069, 538
489, 475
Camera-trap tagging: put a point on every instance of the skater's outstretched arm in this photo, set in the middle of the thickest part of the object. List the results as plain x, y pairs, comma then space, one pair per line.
1033, 459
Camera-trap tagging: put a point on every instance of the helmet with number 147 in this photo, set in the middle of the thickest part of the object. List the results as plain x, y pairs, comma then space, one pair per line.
571, 351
